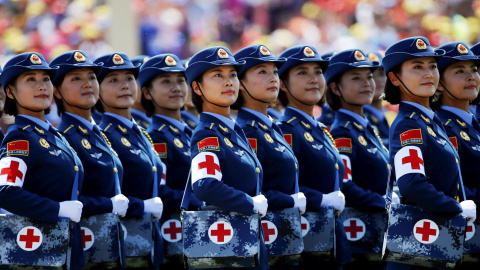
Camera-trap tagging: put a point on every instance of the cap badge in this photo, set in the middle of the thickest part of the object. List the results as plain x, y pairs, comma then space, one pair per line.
222, 53
117, 59
186, 64
170, 61
79, 57
373, 57
264, 51
308, 52
359, 56
462, 49
145, 59
421, 45
35, 59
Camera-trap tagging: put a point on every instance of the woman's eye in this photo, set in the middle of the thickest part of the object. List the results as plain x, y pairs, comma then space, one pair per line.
166, 81
302, 73
262, 72
234, 75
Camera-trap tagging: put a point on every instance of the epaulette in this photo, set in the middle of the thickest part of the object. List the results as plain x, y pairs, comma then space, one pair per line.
413, 116
346, 125
26, 128
68, 130
161, 129
449, 123
211, 126
252, 123
292, 121
108, 129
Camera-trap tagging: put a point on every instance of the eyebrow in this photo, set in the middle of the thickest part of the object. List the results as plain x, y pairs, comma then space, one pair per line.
116, 73
77, 73
421, 62
219, 70
34, 73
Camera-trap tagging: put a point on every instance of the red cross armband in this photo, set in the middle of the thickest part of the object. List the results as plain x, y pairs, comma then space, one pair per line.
206, 165
348, 168
409, 159
12, 171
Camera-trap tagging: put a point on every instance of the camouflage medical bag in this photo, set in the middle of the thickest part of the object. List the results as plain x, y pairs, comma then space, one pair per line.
172, 238
26, 242
220, 239
365, 232
282, 231
318, 231
102, 241
138, 234
471, 247
418, 238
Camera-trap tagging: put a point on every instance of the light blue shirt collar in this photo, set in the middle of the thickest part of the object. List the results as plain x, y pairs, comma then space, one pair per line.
466, 116
122, 119
179, 125
43, 124
81, 119
228, 122
310, 119
376, 112
262, 116
362, 120
426, 111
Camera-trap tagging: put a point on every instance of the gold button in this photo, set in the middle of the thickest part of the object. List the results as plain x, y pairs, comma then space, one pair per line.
336, 166
154, 168
115, 170
258, 170
76, 168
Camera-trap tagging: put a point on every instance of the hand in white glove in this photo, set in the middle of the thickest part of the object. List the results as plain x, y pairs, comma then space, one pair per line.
120, 204
395, 198
71, 209
335, 199
154, 206
469, 210
300, 201
260, 204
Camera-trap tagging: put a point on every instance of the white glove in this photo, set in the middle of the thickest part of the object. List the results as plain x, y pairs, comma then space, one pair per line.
300, 201
260, 204
154, 206
71, 209
395, 198
469, 210
120, 204
335, 199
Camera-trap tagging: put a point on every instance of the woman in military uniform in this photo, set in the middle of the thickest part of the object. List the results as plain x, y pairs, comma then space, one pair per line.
427, 179
259, 85
41, 174
476, 51
321, 167
225, 171
142, 168
350, 87
76, 92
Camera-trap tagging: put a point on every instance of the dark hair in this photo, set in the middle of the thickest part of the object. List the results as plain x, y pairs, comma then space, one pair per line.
392, 92
147, 104
58, 102
98, 107
196, 99
333, 100
10, 107
282, 95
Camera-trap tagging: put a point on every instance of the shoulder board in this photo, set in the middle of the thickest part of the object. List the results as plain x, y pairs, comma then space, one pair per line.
161, 128
292, 121
413, 116
68, 130
211, 126
108, 129
449, 123
252, 123
26, 128
346, 125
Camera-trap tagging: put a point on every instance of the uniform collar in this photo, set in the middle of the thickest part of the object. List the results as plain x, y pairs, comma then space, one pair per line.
179, 125
424, 110
465, 116
362, 120
228, 122
43, 124
82, 120
310, 119
267, 120
376, 112
122, 119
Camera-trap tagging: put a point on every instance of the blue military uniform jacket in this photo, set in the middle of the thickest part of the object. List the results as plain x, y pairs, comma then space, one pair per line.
366, 163
52, 167
418, 135
274, 114
465, 138
173, 147
327, 117
379, 124
320, 165
135, 152
141, 118
100, 162
97, 116
190, 119
240, 168
280, 168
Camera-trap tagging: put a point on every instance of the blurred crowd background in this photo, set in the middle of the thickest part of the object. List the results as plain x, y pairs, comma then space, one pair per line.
184, 27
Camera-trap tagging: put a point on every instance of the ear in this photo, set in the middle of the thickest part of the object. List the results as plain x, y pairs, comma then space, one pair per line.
196, 88
283, 86
393, 78
440, 86
146, 94
57, 93
335, 89
9, 92
241, 86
